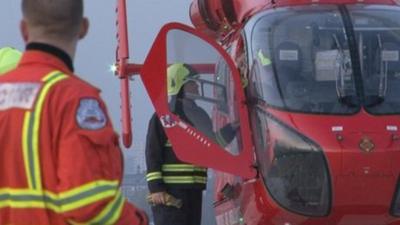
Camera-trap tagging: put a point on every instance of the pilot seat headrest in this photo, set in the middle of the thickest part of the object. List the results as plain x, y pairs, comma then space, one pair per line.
288, 56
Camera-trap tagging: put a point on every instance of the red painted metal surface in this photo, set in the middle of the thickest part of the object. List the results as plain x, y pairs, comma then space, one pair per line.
122, 60
206, 152
214, 18
363, 181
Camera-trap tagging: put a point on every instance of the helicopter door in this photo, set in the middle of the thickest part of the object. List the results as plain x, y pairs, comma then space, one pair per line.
200, 106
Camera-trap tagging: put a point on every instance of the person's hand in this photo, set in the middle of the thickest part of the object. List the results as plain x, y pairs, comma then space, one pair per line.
158, 198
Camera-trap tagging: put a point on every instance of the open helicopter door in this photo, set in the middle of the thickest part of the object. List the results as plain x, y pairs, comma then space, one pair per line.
227, 147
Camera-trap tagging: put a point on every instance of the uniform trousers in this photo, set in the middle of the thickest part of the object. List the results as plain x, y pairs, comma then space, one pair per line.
188, 214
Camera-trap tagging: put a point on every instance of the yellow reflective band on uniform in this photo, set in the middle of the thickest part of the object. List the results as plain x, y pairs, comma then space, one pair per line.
62, 202
21, 198
168, 144
264, 60
221, 140
86, 194
110, 214
25, 132
30, 133
153, 176
182, 168
30, 139
184, 179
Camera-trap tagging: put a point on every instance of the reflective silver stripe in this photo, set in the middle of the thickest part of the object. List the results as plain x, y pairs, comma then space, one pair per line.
61, 202
31, 129
168, 144
184, 179
153, 176
110, 213
182, 168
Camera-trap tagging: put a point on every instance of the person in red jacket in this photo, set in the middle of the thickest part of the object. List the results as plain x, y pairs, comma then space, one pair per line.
60, 161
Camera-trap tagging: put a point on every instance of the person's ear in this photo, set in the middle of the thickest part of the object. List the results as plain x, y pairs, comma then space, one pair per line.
83, 30
23, 27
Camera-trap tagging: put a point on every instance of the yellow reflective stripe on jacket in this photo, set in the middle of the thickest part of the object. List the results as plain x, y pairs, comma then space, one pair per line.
86, 194
20, 198
184, 179
110, 214
61, 202
153, 176
30, 133
182, 168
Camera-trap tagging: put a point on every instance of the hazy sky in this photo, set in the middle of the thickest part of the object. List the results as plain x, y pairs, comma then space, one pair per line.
97, 51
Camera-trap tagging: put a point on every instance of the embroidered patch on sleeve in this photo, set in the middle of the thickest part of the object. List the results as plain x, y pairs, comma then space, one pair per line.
89, 115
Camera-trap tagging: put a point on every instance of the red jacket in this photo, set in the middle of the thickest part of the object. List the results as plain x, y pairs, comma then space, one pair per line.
60, 161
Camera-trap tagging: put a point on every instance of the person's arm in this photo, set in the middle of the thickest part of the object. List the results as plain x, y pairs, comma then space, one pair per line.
227, 133
222, 136
90, 165
155, 142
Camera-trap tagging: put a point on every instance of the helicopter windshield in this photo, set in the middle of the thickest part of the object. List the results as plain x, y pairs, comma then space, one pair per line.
327, 59
377, 33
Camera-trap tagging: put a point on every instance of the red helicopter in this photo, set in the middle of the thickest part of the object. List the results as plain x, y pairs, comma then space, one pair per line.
315, 87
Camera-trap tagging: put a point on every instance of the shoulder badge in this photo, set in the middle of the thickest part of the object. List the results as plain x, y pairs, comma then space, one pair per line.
89, 115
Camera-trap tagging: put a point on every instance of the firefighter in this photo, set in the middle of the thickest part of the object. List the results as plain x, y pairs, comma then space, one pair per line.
175, 186
9, 58
60, 159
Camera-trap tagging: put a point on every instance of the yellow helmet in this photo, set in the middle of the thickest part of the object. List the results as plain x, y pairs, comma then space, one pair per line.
9, 58
177, 75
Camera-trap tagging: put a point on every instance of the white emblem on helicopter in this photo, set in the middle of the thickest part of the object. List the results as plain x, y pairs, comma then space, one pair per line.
168, 121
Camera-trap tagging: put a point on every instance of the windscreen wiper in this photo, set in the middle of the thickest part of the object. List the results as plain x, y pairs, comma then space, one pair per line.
349, 100
373, 100
344, 89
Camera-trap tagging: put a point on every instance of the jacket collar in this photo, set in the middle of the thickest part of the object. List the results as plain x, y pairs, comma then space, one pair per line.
49, 55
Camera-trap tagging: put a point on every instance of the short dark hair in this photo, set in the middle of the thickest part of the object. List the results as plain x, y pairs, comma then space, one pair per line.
56, 18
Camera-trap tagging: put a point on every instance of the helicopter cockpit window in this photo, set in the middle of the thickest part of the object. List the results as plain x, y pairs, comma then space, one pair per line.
304, 59
301, 61
199, 84
377, 31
